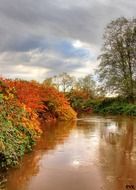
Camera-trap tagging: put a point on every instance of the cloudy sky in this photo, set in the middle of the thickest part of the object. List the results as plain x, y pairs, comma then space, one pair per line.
42, 38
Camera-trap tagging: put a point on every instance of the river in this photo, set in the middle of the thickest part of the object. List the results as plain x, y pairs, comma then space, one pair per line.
92, 153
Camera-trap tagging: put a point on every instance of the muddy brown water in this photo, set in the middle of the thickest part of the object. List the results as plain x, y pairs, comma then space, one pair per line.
92, 153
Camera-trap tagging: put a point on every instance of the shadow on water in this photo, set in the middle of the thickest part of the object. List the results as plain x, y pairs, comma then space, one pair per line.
91, 153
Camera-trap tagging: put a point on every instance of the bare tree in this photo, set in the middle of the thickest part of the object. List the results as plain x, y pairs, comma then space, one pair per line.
66, 82
86, 84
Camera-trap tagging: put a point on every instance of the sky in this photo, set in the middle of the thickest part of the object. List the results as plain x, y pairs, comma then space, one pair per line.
43, 38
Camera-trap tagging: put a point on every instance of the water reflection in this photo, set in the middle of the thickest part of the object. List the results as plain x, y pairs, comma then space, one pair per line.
111, 133
54, 134
119, 160
93, 153
119, 132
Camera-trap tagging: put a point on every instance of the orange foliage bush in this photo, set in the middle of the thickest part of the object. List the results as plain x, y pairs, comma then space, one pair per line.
58, 105
19, 127
13, 104
29, 93
45, 100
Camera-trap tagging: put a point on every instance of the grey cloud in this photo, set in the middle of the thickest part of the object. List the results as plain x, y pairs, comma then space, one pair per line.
27, 25
47, 18
40, 59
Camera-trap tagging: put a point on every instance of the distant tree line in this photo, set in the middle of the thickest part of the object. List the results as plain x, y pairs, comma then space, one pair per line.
67, 83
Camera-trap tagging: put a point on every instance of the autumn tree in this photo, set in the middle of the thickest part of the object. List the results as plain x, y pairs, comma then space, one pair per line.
117, 69
56, 82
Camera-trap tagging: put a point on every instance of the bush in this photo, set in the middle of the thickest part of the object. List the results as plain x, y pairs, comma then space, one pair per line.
21, 104
78, 100
115, 106
19, 128
45, 100
57, 104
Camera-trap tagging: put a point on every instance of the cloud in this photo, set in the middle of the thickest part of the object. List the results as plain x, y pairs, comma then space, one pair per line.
37, 63
55, 36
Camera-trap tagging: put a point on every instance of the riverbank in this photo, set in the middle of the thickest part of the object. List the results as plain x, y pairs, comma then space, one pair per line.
112, 106
22, 105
